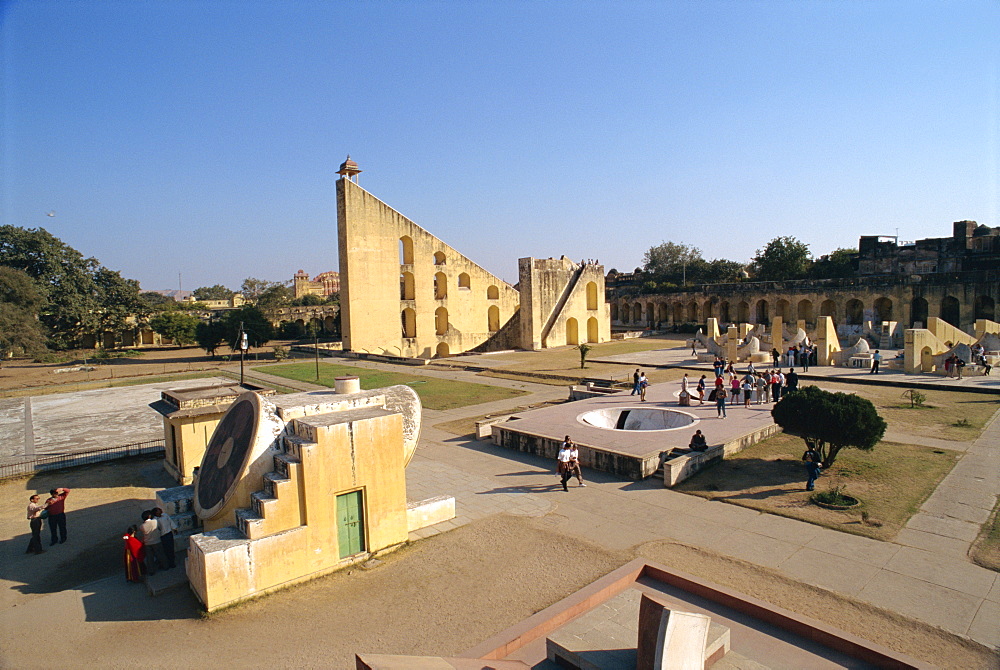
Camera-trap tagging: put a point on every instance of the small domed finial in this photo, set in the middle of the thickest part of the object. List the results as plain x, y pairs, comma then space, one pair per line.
349, 169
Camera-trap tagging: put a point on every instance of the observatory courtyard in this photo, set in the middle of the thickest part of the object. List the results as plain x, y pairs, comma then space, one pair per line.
518, 545
358, 525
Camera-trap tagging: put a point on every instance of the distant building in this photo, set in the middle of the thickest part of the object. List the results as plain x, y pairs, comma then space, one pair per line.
970, 248
174, 293
324, 284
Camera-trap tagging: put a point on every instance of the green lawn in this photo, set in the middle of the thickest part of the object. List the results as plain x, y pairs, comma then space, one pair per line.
892, 481
434, 393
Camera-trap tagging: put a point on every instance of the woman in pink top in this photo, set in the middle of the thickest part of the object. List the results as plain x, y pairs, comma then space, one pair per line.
734, 389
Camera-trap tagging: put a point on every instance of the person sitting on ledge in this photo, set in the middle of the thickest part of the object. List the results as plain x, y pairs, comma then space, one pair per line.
698, 442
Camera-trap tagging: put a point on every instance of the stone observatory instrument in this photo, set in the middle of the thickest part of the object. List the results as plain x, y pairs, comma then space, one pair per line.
243, 443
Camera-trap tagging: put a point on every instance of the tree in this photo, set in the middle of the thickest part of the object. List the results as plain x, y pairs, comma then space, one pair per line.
65, 277
217, 292
117, 299
722, 271
829, 421
20, 301
81, 295
255, 324
157, 302
584, 349
178, 326
274, 298
782, 258
668, 261
210, 335
835, 265
308, 300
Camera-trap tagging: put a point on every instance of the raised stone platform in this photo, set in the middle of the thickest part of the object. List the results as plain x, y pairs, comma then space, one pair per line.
607, 637
635, 454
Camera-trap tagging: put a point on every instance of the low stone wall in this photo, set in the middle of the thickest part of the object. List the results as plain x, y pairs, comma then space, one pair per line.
423, 513
633, 467
679, 468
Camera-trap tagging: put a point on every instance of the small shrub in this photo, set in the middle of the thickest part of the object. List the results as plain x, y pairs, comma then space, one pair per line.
280, 352
916, 398
835, 497
962, 423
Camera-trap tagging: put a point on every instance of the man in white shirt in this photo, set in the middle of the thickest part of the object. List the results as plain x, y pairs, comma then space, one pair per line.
564, 465
151, 542
166, 527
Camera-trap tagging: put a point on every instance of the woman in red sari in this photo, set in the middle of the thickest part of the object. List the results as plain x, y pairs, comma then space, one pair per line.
134, 556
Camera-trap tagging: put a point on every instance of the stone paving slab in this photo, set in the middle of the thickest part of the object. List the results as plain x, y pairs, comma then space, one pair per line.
985, 626
853, 547
782, 528
954, 574
946, 546
937, 605
945, 527
835, 573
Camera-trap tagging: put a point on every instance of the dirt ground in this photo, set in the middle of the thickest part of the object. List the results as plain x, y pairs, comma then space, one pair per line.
23, 373
437, 596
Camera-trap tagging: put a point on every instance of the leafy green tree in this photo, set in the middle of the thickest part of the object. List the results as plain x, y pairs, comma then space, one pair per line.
210, 335
20, 301
584, 349
307, 300
178, 326
835, 265
722, 271
256, 325
274, 298
830, 421
157, 302
65, 277
217, 292
668, 261
117, 299
782, 258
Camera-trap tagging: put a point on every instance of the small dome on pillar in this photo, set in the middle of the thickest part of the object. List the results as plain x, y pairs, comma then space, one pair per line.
349, 169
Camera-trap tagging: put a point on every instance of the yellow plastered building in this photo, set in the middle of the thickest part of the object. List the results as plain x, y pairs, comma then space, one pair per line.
302, 486
406, 293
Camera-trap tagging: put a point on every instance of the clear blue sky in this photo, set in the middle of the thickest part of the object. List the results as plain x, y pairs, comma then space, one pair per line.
202, 138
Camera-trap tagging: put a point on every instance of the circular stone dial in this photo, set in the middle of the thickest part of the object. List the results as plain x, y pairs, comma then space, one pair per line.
226, 456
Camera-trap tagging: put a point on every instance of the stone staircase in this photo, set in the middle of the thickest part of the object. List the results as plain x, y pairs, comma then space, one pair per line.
276, 507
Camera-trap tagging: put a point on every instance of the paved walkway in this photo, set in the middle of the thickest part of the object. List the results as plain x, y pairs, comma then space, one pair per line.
681, 357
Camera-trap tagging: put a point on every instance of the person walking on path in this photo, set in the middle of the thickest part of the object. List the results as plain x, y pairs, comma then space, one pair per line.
959, 366
56, 505
35, 524
635, 382
720, 402
574, 461
151, 543
166, 527
811, 459
701, 390
643, 385
763, 386
806, 355
747, 390
876, 361
134, 556
734, 390
776, 357
563, 467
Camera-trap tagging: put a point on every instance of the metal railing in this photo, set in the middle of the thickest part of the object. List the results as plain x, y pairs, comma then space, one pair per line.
40, 463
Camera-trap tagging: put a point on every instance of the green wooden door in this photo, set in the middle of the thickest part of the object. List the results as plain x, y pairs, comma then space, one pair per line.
350, 524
